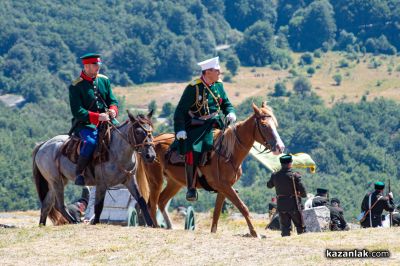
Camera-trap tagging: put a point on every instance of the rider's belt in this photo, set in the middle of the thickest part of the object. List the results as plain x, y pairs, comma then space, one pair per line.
200, 120
285, 196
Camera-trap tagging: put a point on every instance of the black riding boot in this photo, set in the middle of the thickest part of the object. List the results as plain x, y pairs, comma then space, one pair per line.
80, 167
191, 194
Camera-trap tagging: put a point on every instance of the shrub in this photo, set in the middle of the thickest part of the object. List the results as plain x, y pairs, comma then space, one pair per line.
338, 79
280, 89
310, 71
302, 85
306, 59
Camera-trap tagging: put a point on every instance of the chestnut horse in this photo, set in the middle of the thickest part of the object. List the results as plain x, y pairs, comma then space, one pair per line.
223, 169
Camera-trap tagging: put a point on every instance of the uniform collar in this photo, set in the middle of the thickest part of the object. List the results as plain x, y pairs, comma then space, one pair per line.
86, 77
204, 80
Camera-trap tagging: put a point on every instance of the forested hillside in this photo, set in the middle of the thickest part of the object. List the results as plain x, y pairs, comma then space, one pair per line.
156, 41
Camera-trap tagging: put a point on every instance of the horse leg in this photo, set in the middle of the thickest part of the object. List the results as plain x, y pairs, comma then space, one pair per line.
155, 181
168, 193
99, 203
47, 205
219, 201
231, 194
133, 189
59, 205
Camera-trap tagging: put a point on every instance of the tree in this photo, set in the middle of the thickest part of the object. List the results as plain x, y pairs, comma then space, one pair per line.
310, 28
257, 45
233, 64
167, 109
136, 59
302, 85
280, 89
338, 79
241, 14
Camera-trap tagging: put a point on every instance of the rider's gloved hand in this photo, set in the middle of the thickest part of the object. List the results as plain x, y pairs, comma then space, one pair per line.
181, 135
112, 113
231, 117
104, 117
390, 194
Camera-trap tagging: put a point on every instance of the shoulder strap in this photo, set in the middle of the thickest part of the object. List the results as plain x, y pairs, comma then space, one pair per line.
373, 205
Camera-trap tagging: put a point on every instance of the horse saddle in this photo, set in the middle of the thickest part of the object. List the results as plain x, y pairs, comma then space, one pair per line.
71, 148
174, 158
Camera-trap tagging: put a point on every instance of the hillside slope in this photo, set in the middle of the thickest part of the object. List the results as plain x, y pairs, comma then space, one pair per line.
373, 76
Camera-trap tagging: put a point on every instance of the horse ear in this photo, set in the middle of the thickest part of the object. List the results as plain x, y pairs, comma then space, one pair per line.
131, 116
150, 114
264, 104
255, 108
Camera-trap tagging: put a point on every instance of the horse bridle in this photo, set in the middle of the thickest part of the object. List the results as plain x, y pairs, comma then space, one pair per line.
268, 146
147, 141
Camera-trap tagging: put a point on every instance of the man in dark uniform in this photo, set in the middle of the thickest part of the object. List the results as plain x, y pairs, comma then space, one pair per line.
92, 102
338, 222
374, 203
196, 114
321, 198
78, 208
289, 191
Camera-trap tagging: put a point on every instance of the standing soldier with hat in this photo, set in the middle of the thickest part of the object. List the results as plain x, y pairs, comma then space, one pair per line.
373, 205
289, 191
196, 115
92, 102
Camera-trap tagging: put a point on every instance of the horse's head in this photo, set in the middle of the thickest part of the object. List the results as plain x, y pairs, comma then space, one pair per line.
140, 136
266, 125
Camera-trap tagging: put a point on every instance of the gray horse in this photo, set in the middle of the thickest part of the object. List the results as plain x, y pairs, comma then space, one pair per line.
51, 170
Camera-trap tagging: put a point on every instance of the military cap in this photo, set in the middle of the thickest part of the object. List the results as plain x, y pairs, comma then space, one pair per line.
335, 200
379, 185
285, 159
84, 201
91, 58
322, 191
212, 63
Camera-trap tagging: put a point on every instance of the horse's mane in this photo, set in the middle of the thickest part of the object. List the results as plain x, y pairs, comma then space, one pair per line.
225, 142
143, 119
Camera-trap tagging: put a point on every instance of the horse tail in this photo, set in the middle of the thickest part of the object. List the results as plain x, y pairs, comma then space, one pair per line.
141, 179
42, 187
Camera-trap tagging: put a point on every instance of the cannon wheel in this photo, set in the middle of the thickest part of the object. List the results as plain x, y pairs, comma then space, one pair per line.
190, 221
133, 217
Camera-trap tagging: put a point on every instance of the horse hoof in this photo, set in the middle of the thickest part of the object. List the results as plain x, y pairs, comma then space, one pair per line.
255, 234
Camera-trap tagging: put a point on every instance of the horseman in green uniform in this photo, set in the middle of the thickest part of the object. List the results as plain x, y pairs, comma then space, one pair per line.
92, 103
197, 114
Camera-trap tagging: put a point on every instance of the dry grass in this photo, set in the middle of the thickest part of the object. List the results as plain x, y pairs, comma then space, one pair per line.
358, 80
115, 245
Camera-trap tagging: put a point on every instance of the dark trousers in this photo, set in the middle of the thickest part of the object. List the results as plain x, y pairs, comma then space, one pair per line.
285, 218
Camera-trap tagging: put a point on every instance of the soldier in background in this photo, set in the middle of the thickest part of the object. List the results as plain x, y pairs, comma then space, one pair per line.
321, 199
338, 223
78, 208
289, 191
373, 205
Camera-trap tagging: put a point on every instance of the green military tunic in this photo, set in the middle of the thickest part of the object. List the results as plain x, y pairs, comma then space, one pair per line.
201, 101
82, 100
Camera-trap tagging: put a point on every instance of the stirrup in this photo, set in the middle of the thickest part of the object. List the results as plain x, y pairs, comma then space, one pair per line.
80, 180
191, 194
